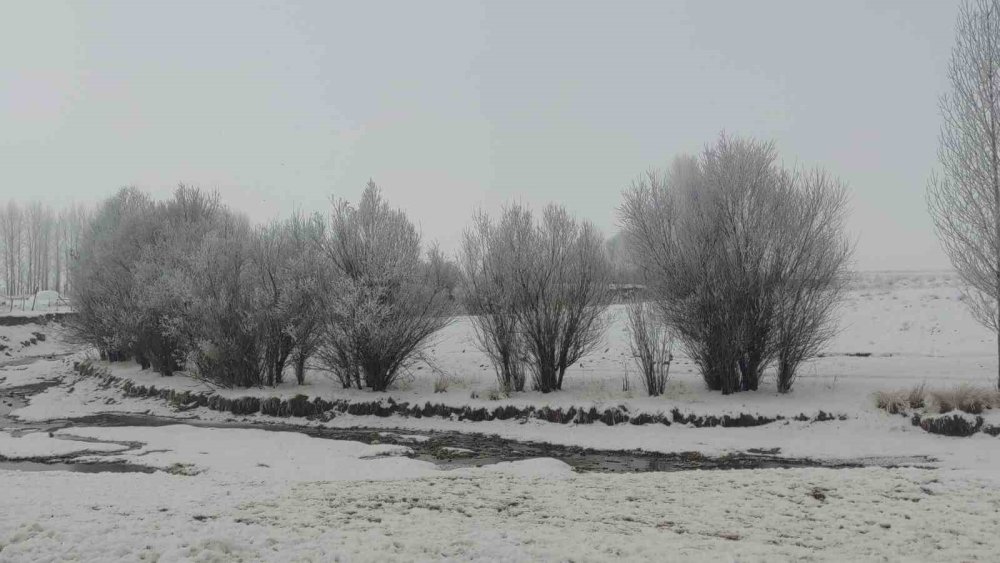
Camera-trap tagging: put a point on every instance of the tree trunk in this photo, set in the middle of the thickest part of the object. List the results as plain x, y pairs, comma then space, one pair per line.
730, 379
300, 369
784, 376
750, 371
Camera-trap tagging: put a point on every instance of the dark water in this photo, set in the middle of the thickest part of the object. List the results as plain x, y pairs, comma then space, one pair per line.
99, 467
446, 449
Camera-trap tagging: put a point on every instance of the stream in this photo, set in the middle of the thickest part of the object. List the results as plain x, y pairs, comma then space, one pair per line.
445, 449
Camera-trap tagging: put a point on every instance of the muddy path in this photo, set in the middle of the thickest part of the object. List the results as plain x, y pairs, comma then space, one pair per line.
446, 449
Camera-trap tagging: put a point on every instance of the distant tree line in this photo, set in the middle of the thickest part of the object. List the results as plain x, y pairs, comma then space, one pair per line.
37, 245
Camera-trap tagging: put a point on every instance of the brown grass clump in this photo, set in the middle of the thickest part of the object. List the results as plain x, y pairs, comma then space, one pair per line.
892, 402
441, 383
917, 397
966, 398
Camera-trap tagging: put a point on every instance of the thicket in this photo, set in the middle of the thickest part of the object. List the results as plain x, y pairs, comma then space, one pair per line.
188, 283
742, 260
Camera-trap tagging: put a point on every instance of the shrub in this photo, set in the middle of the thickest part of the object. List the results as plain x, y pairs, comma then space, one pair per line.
650, 343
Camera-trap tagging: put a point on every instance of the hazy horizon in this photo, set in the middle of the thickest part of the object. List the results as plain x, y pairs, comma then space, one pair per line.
456, 106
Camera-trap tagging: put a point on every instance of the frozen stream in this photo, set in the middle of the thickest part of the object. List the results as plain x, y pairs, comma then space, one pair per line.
445, 449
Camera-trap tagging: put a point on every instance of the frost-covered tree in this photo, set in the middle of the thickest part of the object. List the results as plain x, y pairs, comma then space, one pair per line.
106, 296
133, 288
386, 300
739, 254
271, 255
488, 262
293, 281
809, 270
229, 306
165, 277
309, 279
964, 199
538, 290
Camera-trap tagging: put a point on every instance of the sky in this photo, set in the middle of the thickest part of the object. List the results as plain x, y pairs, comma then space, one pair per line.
456, 106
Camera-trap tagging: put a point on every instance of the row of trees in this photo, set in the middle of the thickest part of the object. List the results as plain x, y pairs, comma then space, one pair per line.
37, 244
742, 260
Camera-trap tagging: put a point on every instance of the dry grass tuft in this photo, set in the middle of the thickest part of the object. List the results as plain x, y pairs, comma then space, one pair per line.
916, 398
965, 398
892, 402
441, 383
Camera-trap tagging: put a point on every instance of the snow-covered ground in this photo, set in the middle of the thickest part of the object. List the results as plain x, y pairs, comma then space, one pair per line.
236, 494
246, 494
770, 515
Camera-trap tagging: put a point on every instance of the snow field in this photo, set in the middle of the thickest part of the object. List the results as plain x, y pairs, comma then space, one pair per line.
765, 515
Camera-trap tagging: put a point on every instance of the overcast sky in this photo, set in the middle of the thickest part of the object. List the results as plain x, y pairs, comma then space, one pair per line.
453, 106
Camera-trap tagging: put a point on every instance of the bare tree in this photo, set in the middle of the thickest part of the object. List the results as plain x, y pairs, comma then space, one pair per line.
69, 228
965, 199
166, 278
561, 278
230, 347
12, 232
39, 223
650, 343
106, 298
35, 244
292, 284
810, 271
712, 240
674, 226
740, 182
309, 280
488, 261
387, 302
271, 254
